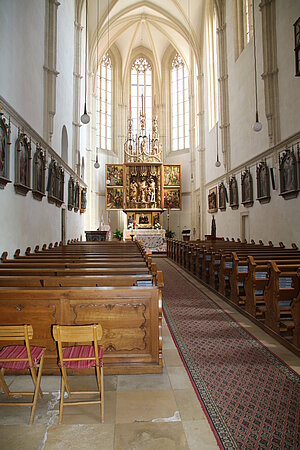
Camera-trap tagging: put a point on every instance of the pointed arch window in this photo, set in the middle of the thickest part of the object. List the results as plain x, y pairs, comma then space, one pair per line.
103, 104
141, 93
244, 24
179, 105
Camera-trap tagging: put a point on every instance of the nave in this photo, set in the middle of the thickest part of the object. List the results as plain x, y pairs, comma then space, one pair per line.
142, 411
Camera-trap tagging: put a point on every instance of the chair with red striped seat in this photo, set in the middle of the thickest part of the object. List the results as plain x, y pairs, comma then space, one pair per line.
20, 358
80, 357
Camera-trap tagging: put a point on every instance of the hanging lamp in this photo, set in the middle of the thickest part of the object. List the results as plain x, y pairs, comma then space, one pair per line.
85, 118
257, 124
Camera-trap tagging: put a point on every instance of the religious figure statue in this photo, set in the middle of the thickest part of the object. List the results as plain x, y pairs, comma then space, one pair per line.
152, 190
133, 191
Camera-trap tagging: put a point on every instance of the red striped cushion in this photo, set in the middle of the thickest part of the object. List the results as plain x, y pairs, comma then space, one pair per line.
81, 351
18, 352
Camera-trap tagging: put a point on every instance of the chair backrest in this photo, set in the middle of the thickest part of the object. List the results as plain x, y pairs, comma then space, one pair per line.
15, 332
77, 333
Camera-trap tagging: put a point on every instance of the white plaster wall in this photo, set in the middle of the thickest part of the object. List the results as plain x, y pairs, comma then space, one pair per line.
64, 81
22, 58
25, 221
287, 12
279, 219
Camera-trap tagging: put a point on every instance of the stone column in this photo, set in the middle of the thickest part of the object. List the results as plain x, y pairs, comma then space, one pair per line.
50, 72
270, 73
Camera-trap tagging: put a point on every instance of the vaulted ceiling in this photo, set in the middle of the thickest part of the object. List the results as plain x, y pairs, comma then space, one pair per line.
153, 25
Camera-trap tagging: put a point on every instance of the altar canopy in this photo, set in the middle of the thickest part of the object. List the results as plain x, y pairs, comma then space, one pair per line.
143, 186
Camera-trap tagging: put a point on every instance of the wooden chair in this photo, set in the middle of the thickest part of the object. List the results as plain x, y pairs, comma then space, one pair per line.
80, 357
20, 358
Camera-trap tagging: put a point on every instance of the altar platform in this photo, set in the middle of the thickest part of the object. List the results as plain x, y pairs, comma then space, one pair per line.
154, 240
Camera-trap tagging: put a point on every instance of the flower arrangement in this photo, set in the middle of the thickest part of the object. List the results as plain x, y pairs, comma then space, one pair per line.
130, 226
157, 226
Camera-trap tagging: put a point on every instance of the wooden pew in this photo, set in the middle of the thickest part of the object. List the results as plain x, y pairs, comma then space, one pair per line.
282, 288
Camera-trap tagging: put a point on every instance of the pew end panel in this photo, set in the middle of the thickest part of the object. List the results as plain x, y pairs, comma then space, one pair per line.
131, 319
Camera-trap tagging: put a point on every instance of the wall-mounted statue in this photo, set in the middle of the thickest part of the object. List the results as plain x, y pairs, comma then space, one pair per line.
247, 188
233, 193
289, 185
22, 164
39, 173
4, 151
263, 183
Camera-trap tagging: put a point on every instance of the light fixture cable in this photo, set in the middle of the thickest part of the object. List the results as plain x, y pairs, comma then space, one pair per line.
85, 118
96, 164
257, 125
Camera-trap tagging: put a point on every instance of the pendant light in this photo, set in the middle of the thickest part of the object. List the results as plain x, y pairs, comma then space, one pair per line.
96, 164
85, 118
257, 125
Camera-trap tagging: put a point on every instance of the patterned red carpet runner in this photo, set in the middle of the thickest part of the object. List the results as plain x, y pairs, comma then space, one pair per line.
251, 398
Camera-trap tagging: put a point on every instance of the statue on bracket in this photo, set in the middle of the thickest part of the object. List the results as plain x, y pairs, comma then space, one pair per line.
39, 173
263, 183
233, 193
288, 173
222, 196
76, 197
55, 186
247, 188
4, 151
22, 163
71, 193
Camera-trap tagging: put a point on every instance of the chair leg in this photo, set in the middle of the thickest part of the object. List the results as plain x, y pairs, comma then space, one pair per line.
64, 376
61, 403
102, 395
37, 390
3, 383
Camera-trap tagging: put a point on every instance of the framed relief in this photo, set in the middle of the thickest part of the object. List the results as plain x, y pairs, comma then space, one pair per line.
172, 198
4, 151
114, 175
114, 198
131, 220
155, 219
288, 174
22, 164
247, 188
263, 183
172, 175
71, 192
143, 220
39, 173
233, 193
222, 196
212, 200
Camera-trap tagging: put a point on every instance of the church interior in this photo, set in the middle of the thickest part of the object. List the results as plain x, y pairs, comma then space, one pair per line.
149, 182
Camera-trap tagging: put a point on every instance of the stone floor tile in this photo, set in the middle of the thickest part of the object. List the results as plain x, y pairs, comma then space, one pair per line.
145, 406
150, 436
144, 382
199, 435
90, 414
189, 405
179, 378
80, 437
171, 357
25, 437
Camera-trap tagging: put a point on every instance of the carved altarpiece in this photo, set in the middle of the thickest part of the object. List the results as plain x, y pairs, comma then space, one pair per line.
143, 185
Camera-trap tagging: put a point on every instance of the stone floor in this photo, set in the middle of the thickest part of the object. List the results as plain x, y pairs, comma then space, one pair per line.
142, 412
